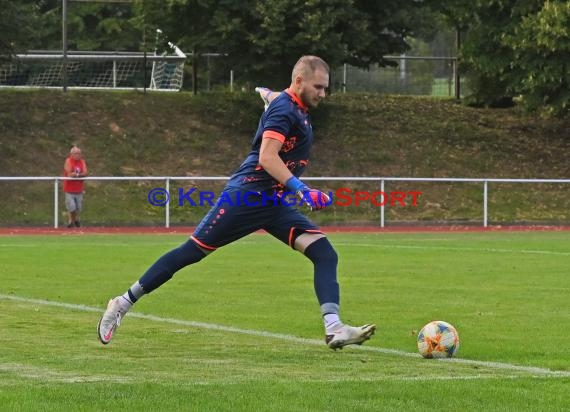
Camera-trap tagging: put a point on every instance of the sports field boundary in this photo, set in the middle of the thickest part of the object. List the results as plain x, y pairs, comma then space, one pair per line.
532, 370
38, 230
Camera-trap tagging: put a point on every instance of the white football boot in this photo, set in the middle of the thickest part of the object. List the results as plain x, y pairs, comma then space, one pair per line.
111, 319
349, 335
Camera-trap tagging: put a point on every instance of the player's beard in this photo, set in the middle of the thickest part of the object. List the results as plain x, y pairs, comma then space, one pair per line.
308, 101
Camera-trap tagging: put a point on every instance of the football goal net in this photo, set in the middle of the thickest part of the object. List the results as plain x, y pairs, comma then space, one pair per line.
96, 70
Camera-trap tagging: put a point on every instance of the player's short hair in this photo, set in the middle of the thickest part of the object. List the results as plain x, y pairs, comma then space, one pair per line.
307, 65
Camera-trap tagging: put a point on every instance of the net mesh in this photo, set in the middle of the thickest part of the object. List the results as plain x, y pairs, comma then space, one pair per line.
95, 71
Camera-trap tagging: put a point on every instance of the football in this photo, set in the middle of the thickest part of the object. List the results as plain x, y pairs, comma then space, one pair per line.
438, 339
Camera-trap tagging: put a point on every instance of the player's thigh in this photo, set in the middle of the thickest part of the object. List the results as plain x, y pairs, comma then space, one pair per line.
290, 224
230, 221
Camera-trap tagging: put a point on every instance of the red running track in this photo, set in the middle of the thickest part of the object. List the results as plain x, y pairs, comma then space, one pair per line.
327, 229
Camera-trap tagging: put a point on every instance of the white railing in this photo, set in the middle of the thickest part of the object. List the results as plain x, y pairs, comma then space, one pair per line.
381, 181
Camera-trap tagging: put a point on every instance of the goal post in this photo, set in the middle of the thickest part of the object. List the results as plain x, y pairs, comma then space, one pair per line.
95, 70
163, 74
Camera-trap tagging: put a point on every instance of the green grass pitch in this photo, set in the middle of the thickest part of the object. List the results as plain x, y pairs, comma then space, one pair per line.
241, 331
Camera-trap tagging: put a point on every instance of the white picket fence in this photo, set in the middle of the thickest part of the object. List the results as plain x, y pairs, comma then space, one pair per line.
381, 181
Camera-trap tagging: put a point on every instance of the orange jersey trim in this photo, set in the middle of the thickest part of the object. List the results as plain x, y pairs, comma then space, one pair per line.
292, 233
205, 246
296, 99
270, 134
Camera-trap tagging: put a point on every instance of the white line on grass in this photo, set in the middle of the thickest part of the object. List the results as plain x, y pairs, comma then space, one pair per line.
50, 375
43, 374
212, 326
453, 249
426, 378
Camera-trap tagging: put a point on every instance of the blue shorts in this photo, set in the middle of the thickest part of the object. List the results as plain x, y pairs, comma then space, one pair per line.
239, 216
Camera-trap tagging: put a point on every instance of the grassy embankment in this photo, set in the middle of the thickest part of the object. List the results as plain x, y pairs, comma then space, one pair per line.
131, 134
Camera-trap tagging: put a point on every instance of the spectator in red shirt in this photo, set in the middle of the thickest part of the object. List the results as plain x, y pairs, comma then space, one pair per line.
76, 168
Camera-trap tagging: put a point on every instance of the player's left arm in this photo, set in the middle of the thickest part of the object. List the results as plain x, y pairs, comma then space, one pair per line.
267, 95
85, 172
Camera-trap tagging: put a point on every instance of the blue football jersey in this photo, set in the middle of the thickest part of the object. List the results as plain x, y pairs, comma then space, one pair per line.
287, 120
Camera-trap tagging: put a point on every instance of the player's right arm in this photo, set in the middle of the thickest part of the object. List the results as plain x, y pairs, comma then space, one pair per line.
84, 172
269, 159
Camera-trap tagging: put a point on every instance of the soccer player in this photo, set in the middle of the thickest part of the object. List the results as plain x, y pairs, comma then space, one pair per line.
255, 198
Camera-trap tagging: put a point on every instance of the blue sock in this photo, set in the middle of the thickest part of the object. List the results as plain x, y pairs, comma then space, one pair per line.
165, 267
325, 259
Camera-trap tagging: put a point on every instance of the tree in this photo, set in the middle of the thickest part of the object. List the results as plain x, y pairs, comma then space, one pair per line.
357, 32
263, 38
513, 49
541, 48
18, 22
91, 26
103, 26
190, 22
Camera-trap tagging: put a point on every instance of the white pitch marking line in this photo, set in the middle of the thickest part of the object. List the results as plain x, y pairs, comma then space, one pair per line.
431, 378
212, 326
32, 372
460, 249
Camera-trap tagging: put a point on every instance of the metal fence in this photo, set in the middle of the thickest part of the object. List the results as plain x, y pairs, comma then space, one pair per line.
378, 201
413, 75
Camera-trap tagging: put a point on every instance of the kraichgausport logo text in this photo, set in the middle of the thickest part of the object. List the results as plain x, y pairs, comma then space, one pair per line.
342, 197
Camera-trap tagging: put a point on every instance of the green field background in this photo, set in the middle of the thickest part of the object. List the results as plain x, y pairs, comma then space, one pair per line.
241, 331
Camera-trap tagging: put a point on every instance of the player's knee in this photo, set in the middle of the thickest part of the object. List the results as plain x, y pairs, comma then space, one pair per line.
189, 252
321, 251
